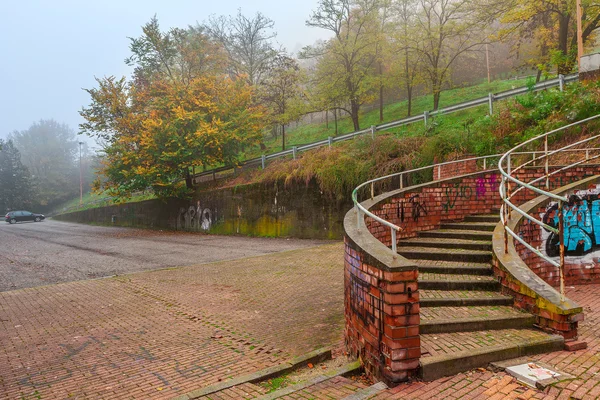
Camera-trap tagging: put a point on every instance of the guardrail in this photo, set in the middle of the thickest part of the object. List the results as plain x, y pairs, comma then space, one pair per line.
490, 99
507, 192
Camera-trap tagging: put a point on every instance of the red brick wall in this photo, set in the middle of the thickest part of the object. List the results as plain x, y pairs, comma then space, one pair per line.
455, 169
382, 316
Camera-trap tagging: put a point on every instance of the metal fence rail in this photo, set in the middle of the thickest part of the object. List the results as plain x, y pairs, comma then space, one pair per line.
490, 99
510, 186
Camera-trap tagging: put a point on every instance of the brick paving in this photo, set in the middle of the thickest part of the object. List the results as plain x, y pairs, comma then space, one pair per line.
164, 333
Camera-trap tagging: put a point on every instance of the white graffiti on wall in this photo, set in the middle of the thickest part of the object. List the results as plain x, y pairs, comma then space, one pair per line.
581, 220
194, 218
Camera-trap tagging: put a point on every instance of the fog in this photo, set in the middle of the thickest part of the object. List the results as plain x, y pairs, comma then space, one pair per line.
53, 49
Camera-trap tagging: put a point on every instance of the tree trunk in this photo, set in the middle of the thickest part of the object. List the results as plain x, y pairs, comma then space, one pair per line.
335, 120
380, 93
189, 183
327, 119
564, 67
538, 76
282, 137
436, 96
354, 108
409, 90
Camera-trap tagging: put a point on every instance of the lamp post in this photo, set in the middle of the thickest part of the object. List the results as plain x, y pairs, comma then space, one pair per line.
80, 178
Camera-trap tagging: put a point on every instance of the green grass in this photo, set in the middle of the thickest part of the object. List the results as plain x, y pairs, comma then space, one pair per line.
309, 133
94, 200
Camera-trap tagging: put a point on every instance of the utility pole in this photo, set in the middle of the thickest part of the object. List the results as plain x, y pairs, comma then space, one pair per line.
487, 60
80, 177
579, 34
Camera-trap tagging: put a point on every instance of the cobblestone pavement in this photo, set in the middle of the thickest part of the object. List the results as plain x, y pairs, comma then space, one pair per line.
164, 333
483, 384
35, 254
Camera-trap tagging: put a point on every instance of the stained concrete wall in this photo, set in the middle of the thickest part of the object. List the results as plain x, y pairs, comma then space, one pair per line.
275, 210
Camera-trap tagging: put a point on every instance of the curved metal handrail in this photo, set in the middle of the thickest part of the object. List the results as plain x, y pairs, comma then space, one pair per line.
507, 171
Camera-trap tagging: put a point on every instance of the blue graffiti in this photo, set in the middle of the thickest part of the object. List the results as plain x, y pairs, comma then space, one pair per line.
581, 221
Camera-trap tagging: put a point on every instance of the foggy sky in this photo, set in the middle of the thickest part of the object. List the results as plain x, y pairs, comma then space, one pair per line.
51, 49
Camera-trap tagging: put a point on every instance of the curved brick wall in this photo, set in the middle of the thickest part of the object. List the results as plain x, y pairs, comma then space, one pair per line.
381, 290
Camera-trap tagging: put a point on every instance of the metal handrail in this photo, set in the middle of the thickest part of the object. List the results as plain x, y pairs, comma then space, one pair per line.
560, 82
507, 171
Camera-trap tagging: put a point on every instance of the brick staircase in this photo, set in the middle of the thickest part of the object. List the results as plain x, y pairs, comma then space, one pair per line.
465, 321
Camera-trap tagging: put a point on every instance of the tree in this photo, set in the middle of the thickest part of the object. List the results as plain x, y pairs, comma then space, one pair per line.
447, 30
248, 42
282, 93
407, 58
158, 134
16, 183
50, 152
346, 61
551, 24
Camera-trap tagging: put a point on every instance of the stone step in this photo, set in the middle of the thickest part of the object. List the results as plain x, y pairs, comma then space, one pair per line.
447, 243
436, 281
367, 392
445, 354
470, 226
495, 218
457, 234
464, 319
450, 267
459, 298
427, 253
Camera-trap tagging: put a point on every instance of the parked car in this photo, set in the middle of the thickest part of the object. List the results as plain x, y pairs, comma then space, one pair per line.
19, 216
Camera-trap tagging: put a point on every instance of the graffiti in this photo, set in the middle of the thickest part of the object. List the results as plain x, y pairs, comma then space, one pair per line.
194, 218
453, 193
359, 300
581, 222
482, 182
418, 207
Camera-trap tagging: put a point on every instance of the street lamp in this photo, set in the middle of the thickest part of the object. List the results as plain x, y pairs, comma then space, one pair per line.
80, 178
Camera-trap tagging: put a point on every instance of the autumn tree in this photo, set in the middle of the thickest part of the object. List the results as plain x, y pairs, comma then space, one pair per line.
15, 180
247, 41
282, 92
551, 25
166, 121
347, 61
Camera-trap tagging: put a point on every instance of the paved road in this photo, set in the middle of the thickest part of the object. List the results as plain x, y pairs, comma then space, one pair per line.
34, 254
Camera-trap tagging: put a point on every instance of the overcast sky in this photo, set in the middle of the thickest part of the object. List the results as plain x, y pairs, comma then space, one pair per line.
51, 49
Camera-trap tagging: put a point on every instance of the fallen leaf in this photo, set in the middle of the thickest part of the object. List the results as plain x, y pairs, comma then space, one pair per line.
310, 365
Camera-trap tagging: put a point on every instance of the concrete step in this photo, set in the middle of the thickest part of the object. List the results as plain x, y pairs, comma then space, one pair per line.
435, 281
463, 234
470, 226
464, 319
445, 354
462, 255
447, 243
450, 267
459, 298
367, 392
495, 218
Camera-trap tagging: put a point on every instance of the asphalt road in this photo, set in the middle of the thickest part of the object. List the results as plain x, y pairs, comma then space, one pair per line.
35, 254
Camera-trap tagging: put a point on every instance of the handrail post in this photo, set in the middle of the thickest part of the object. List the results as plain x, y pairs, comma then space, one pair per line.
372, 131
484, 164
294, 151
561, 81
507, 186
426, 117
402, 180
394, 249
330, 141
263, 160
491, 102
561, 235
357, 218
546, 162
372, 191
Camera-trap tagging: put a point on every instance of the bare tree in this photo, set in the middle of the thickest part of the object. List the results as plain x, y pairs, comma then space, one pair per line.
248, 42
